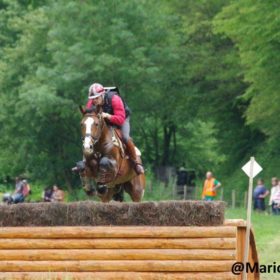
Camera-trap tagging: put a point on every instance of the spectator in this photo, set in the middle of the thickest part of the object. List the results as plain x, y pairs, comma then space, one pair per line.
210, 187
260, 193
57, 195
274, 200
18, 196
26, 188
47, 194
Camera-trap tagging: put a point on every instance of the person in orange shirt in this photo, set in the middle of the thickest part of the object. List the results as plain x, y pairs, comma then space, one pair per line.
210, 187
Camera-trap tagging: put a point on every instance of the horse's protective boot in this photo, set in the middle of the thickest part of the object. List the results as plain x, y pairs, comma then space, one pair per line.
101, 189
80, 166
87, 185
138, 167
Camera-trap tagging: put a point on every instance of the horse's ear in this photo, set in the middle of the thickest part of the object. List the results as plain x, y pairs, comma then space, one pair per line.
82, 110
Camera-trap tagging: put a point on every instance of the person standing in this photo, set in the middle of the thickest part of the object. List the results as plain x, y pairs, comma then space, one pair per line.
259, 195
47, 194
210, 187
274, 200
57, 195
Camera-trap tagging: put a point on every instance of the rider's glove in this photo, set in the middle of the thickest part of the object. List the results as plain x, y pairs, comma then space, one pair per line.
106, 116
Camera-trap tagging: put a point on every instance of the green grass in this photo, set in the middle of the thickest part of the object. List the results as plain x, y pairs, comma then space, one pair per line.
267, 234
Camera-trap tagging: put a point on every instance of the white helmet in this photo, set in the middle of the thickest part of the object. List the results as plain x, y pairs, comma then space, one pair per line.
95, 90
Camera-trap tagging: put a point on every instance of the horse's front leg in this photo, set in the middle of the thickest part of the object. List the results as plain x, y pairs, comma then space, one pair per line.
107, 170
107, 195
87, 182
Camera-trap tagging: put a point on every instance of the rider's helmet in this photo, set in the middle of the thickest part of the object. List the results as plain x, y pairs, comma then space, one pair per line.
95, 90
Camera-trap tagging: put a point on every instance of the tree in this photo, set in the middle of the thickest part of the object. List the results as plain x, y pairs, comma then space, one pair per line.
254, 27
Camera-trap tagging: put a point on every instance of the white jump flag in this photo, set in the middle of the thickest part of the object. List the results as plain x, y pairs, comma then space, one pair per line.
256, 168
252, 169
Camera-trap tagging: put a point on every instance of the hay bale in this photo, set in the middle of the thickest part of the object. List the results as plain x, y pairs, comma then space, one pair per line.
89, 213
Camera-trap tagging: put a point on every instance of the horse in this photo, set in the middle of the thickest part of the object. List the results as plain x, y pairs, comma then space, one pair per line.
105, 159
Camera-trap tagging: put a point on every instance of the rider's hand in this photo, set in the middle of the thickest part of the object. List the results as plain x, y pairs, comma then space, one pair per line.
106, 116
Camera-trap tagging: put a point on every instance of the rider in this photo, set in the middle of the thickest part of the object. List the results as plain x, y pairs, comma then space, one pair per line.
117, 113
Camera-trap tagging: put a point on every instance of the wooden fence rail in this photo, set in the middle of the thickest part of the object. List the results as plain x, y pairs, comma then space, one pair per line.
125, 252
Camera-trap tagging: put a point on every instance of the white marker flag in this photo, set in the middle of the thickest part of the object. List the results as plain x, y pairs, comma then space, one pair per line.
256, 168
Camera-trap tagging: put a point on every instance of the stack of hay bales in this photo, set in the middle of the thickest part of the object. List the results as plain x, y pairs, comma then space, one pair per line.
88, 213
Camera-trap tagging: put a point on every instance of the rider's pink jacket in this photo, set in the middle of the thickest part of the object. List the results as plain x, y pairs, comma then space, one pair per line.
118, 117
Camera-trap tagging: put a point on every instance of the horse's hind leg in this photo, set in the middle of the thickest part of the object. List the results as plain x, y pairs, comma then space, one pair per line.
136, 188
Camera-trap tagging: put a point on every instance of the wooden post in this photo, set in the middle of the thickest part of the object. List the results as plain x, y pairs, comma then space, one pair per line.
222, 193
245, 199
174, 190
150, 186
233, 199
185, 192
196, 192
249, 212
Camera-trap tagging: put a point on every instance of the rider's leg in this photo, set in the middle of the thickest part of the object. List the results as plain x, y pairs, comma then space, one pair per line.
130, 147
80, 166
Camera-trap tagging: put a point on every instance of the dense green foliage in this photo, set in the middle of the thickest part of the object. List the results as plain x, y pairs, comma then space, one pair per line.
201, 78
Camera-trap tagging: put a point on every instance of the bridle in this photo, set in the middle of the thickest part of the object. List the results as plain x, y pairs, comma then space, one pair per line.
96, 137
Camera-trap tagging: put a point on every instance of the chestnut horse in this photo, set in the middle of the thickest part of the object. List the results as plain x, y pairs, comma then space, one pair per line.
105, 160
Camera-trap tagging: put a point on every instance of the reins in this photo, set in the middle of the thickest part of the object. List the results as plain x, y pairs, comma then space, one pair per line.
100, 128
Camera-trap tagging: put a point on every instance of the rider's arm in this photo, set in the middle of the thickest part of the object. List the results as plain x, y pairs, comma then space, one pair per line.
118, 117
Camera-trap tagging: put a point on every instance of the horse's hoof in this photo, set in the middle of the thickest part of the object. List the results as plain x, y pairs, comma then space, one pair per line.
101, 189
91, 193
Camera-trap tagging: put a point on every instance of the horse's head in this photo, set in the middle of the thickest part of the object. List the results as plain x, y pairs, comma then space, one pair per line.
92, 126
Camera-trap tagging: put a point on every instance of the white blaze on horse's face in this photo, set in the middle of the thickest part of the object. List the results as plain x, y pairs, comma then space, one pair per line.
87, 143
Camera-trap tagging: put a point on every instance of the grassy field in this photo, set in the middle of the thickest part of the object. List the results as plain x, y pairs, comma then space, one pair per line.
267, 233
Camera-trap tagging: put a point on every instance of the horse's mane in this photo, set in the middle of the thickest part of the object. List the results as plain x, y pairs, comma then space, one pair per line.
93, 110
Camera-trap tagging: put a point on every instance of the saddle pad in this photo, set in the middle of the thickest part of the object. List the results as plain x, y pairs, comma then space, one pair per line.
138, 152
117, 140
